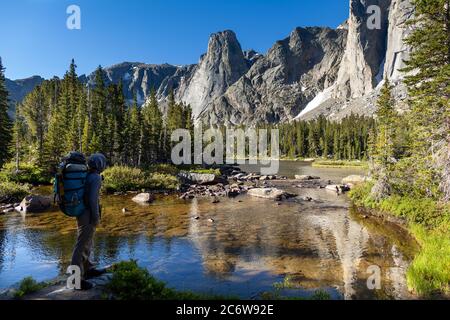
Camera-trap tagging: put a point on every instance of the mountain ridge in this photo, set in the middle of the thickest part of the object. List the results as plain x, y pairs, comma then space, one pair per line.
313, 71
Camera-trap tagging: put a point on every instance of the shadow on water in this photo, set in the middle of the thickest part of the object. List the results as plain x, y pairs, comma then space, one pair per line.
251, 245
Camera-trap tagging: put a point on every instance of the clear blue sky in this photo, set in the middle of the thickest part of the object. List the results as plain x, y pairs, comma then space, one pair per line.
34, 39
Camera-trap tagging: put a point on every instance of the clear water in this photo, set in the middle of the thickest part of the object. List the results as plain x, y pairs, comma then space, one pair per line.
252, 244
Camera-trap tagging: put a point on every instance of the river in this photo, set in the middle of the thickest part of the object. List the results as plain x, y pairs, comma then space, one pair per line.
251, 246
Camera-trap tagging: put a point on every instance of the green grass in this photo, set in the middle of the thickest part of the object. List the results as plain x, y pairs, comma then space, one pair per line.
28, 285
429, 273
429, 223
122, 179
28, 173
12, 191
131, 282
339, 164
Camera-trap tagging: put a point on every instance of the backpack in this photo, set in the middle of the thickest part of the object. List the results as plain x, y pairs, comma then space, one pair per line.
69, 184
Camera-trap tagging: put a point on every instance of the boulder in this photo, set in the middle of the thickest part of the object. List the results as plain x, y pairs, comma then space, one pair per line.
198, 178
306, 177
34, 204
145, 197
354, 179
269, 193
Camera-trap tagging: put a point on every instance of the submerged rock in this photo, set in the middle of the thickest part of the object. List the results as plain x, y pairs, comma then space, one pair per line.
145, 197
270, 193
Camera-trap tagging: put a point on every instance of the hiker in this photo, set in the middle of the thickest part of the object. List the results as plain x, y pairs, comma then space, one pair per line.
88, 221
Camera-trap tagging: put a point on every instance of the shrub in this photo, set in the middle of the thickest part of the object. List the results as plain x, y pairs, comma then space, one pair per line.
130, 282
28, 173
28, 285
162, 181
163, 168
120, 178
12, 191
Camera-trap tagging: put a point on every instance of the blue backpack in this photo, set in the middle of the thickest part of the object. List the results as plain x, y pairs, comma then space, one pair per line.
69, 184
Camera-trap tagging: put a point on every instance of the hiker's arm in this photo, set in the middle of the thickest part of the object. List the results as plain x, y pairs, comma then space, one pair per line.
94, 195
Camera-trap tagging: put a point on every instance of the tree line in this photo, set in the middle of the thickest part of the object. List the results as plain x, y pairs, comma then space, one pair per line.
347, 139
62, 115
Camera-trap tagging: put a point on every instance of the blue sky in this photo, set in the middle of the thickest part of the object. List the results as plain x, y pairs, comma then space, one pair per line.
34, 39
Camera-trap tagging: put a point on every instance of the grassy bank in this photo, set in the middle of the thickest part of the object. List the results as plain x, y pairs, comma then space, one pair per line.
429, 222
340, 164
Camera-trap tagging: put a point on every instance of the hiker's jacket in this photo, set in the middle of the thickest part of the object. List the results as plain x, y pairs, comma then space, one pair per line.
96, 164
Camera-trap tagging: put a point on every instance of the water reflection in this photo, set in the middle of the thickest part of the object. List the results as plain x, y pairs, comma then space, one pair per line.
251, 244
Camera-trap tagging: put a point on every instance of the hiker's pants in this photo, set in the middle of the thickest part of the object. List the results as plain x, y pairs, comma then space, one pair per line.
82, 251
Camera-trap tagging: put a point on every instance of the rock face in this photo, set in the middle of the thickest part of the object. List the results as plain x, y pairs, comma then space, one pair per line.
365, 51
370, 57
136, 78
34, 204
222, 65
281, 83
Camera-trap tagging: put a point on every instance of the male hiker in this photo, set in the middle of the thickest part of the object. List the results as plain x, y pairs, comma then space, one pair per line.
88, 221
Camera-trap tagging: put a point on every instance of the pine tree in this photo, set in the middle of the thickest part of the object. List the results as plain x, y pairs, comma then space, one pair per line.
5, 122
135, 134
153, 126
35, 110
383, 143
428, 83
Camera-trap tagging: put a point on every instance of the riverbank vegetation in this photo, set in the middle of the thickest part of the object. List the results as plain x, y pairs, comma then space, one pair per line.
340, 164
409, 153
11, 192
131, 282
28, 286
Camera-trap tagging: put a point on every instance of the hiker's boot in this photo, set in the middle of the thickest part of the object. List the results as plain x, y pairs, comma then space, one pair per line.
93, 273
85, 285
